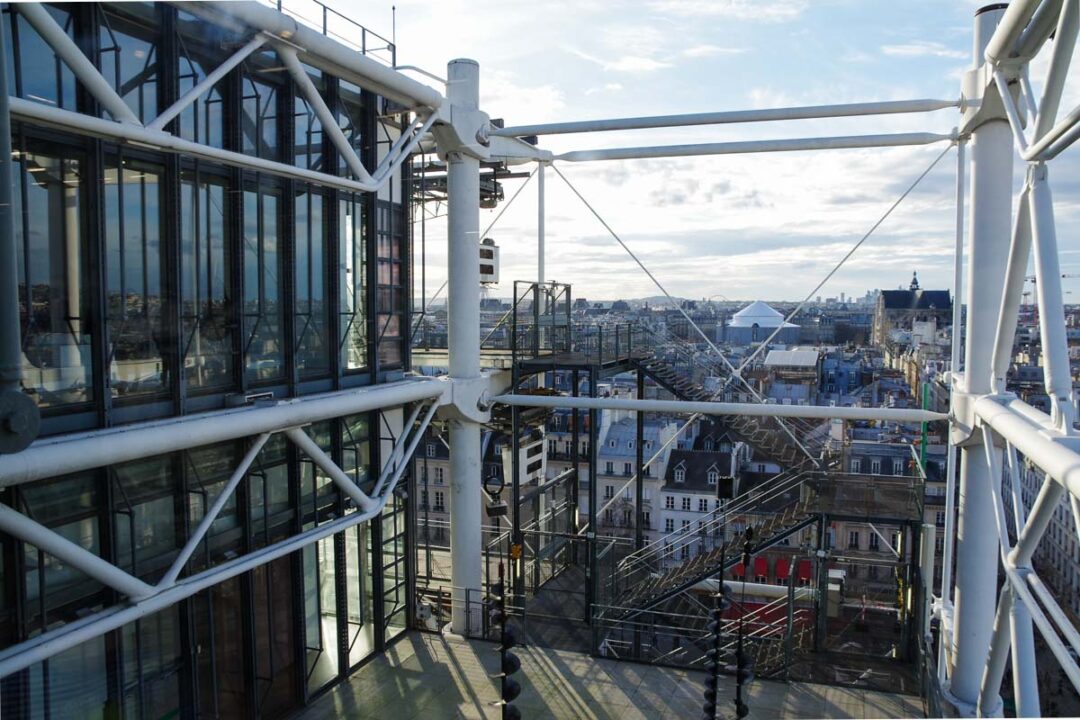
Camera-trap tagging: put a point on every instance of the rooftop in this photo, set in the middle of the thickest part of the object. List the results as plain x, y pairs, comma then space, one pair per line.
433, 677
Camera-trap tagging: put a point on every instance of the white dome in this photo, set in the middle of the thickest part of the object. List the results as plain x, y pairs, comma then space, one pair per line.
760, 314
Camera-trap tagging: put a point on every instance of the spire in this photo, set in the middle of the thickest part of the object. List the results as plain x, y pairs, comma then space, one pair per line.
914, 281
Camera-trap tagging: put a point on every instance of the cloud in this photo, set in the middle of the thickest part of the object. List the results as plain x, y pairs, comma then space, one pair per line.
710, 50
759, 10
922, 48
625, 63
608, 87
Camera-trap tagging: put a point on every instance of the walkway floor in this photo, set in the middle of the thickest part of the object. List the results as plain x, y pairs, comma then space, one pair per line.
432, 677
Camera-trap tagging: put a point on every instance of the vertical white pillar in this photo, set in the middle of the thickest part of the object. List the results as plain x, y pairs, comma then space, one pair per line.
463, 294
540, 229
988, 252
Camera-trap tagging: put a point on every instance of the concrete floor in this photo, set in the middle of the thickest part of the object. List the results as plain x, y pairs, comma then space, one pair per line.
433, 677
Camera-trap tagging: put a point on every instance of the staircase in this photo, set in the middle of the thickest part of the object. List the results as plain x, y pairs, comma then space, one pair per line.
763, 434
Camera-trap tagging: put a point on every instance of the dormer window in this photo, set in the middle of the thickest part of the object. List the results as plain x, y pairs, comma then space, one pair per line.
680, 475
708, 445
713, 477
630, 444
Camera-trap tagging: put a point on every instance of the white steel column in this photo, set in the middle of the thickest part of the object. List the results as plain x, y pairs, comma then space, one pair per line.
977, 548
463, 294
540, 230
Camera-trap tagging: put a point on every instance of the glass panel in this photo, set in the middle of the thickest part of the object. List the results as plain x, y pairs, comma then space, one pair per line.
133, 258
206, 300
129, 57
353, 262
258, 110
318, 494
206, 471
350, 118
219, 640
34, 71
263, 358
203, 121
393, 564
390, 295
312, 316
145, 516
71, 684
151, 659
308, 135
52, 299
275, 666
268, 489
359, 592
320, 613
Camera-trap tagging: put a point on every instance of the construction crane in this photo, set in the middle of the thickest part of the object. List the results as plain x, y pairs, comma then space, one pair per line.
1031, 278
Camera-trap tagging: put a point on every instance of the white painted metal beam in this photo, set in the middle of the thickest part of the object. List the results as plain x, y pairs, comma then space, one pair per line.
81, 451
729, 117
720, 408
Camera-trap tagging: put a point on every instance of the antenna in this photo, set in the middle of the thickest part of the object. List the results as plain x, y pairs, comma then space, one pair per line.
393, 30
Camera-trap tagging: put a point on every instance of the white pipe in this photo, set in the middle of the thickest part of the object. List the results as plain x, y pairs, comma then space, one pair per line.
212, 512
29, 531
540, 228
81, 451
1056, 369
1024, 665
80, 65
1038, 30
208, 82
1002, 43
463, 181
756, 146
929, 535
417, 435
326, 118
736, 116
1015, 277
160, 140
719, 408
1057, 71
345, 483
757, 589
990, 704
321, 51
402, 441
976, 551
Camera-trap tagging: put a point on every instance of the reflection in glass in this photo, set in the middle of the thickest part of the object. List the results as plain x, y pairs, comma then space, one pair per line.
394, 558
52, 298
144, 516
134, 278
205, 300
151, 657
258, 113
352, 315
359, 592
390, 295
312, 351
320, 613
263, 352
203, 120
275, 657
34, 70
130, 63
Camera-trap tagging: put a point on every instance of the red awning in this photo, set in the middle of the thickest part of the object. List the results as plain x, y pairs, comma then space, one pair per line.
783, 567
761, 567
739, 571
804, 571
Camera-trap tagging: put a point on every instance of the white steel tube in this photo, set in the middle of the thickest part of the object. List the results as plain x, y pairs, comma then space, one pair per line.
736, 116
1038, 30
1056, 370
720, 408
463, 181
1015, 277
30, 531
345, 483
976, 551
208, 82
756, 146
160, 140
1008, 28
80, 65
540, 229
82, 451
1024, 664
1057, 71
926, 570
990, 691
393, 471
321, 51
212, 512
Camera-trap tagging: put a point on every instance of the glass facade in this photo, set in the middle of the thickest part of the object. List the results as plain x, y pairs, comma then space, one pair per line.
153, 285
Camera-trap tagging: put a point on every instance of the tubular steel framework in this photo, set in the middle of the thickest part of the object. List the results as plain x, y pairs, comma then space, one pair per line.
991, 428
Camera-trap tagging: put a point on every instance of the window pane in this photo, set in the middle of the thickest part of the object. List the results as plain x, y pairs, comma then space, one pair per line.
320, 613
312, 316
353, 314
206, 302
263, 358
129, 58
38, 74
258, 111
133, 258
52, 299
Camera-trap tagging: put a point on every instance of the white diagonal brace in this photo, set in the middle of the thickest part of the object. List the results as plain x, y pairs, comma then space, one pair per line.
32, 532
73, 57
208, 82
212, 512
340, 478
402, 461
329, 122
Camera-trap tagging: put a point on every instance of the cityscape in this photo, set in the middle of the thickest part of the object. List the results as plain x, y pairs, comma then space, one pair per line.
295, 422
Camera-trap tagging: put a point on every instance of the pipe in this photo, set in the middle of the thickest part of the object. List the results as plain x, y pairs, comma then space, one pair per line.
976, 550
540, 219
82, 451
29, 531
1024, 664
415, 440
1015, 277
1056, 74
84, 124
208, 82
80, 65
719, 408
1002, 42
463, 239
321, 51
345, 483
1039, 29
736, 116
990, 704
212, 512
756, 146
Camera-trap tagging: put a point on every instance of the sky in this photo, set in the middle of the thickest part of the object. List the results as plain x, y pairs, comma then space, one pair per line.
741, 227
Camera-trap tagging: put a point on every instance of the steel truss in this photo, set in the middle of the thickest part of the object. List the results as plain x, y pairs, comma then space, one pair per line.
996, 99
